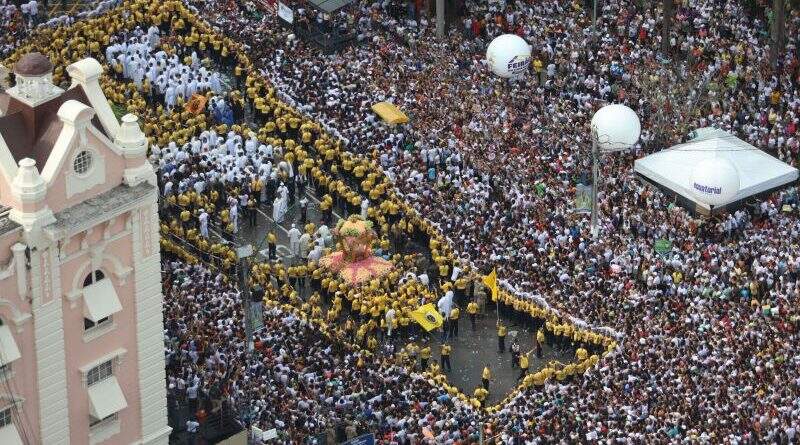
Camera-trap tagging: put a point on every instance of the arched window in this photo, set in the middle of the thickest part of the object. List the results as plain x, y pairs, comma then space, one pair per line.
93, 277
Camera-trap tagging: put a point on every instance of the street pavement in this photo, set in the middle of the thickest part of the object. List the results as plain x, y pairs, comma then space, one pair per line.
472, 350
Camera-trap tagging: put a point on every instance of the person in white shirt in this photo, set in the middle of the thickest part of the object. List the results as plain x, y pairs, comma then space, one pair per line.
294, 240
192, 426
390, 314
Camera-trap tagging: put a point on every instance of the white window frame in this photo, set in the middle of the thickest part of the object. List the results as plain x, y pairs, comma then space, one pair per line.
91, 155
94, 423
115, 357
80, 182
104, 371
103, 429
105, 326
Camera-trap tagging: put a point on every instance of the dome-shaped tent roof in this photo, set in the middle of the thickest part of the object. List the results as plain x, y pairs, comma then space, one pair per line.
33, 64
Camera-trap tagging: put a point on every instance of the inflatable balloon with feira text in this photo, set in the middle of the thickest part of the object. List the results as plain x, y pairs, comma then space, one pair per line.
508, 56
353, 260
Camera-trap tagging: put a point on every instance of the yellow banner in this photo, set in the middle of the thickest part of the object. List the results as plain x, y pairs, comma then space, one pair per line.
491, 282
390, 113
428, 317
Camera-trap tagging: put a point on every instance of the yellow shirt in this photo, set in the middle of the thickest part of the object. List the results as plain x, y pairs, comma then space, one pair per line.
523, 361
487, 374
501, 331
425, 353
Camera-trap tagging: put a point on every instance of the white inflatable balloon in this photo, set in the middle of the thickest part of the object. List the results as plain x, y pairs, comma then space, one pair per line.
509, 55
715, 181
618, 127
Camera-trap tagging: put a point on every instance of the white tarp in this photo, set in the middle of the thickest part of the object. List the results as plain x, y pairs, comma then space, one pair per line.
101, 300
10, 436
106, 398
672, 168
8, 347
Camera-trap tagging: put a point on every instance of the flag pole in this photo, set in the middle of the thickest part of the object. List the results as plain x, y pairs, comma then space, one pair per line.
497, 298
497, 308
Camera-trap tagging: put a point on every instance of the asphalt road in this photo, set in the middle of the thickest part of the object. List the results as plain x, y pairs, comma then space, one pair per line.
472, 350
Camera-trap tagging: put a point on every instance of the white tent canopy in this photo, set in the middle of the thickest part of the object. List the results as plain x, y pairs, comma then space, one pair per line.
672, 168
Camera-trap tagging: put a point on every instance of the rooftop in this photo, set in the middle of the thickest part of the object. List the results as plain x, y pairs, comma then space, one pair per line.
31, 132
112, 201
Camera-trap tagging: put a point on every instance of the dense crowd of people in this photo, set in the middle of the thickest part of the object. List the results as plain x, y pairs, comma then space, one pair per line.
321, 387
13, 27
485, 172
509, 164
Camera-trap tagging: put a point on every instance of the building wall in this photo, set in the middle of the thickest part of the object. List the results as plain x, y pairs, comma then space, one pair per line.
23, 380
149, 305
49, 343
108, 174
43, 301
114, 253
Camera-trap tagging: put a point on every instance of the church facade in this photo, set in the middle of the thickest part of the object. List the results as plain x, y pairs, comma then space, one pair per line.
81, 330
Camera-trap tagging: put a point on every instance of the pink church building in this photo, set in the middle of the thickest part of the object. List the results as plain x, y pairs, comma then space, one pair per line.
81, 331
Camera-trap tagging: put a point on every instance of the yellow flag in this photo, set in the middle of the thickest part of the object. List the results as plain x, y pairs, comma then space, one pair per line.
491, 282
428, 317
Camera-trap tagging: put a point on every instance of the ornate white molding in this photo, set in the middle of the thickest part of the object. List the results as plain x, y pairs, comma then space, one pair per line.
18, 317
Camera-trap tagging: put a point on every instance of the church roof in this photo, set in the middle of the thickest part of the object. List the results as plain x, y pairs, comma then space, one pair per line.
31, 132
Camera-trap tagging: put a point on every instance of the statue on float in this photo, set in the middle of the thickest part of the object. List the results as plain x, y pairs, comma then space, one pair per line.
353, 260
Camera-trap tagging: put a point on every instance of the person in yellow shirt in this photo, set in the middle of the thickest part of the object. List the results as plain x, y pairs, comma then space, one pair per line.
501, 337
472, 310
486, 377
523, 365
481, 394
412, 350
424, 357
581, 354
444, 358
444, 271
538, 342
455, 313
272, 241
